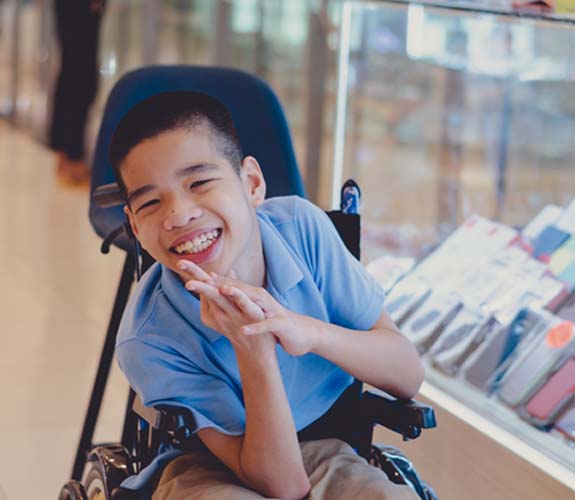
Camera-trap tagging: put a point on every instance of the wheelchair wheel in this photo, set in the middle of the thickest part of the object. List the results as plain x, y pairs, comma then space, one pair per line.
95, 484
73, 490
107, 466
399, 469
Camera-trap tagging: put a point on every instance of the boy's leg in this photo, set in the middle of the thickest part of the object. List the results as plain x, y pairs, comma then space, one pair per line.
200, 476
337, 472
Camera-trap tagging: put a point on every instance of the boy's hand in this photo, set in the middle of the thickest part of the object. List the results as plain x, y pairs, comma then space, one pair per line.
296, 333
226, 313
265, 316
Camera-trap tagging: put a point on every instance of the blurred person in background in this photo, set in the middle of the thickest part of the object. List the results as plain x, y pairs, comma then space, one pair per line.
77, 28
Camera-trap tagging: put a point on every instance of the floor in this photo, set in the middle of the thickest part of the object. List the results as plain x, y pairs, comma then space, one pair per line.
57, 292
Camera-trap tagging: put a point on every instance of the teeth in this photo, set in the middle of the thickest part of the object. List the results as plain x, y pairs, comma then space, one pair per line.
198, 244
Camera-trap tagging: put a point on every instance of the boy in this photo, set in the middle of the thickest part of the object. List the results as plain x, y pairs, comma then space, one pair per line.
255, 317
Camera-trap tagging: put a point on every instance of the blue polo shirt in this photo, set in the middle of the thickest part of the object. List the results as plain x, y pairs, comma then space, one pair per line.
170, 357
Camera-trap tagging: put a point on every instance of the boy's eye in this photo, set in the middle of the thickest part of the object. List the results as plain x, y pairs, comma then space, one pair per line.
196, 184
147, 204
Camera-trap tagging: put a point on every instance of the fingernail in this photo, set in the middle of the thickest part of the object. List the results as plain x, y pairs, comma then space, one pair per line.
181, 264
190, 286
247, 330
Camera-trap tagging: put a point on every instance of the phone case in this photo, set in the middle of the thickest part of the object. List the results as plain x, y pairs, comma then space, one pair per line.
536, 362
566, 423
497, 349
549, 240
563, 257
552, 398
405, 298
568, 275
426, 324
548, 215
459, 339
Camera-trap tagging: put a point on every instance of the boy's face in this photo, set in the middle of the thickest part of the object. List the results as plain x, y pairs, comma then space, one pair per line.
185, 201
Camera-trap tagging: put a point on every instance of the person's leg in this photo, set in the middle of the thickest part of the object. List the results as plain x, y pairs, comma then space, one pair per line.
56, 128
78, 24
200, 476
79, 75
337, 472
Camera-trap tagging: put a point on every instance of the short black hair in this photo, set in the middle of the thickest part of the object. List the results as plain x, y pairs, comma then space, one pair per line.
168, 111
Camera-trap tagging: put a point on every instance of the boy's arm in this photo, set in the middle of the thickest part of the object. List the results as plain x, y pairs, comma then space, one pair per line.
381, 356
267, 457
270, 443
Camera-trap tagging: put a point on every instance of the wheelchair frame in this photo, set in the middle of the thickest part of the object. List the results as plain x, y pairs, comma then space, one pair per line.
146, 429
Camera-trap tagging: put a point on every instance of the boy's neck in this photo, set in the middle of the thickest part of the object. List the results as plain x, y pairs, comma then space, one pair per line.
254, 272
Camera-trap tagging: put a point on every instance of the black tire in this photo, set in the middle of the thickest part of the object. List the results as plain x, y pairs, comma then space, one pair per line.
73, 490
95, 484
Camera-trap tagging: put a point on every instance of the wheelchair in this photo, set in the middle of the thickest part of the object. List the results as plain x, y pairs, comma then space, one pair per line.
104, 471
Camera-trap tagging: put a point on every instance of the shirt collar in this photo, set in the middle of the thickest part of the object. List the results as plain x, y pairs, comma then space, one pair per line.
282, 273
282, 270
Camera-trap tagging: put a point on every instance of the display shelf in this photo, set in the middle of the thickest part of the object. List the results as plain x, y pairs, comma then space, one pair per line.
445, 110
546, 451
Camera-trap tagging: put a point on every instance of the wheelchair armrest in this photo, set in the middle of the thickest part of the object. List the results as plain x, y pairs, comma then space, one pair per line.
406, 417
179, 423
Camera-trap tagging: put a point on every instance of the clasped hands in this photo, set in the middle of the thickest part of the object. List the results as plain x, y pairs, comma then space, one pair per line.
244, 313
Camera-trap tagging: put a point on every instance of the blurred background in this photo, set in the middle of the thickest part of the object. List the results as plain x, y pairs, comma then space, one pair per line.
437, 115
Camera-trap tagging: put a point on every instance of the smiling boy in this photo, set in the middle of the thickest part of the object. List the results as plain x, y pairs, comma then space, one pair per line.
255, 317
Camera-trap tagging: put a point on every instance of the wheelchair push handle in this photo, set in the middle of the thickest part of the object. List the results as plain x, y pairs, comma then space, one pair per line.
108, 195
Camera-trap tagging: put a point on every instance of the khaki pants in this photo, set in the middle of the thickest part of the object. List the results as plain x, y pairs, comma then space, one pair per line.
335, 471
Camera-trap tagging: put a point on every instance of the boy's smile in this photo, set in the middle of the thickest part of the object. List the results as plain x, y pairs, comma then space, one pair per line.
196, 243
186, 201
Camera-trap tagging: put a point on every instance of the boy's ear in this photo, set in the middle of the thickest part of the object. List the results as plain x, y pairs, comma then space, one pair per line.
254, 181
131, 220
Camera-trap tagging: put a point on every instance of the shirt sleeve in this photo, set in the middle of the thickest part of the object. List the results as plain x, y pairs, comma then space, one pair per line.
352, 296
162, 376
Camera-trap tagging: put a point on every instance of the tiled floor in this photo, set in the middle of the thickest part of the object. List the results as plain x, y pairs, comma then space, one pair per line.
56, 294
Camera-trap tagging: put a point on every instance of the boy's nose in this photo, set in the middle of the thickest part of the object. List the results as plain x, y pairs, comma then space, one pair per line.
180, 216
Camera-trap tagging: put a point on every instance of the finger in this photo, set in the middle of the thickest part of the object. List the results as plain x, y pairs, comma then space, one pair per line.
205, 289
213, 294
208, 310
267, 325
243, 302
230, 274
260, 296
193, 270
219, 279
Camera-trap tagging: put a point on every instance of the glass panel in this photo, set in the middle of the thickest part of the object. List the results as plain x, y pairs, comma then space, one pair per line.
449, 114
445, 111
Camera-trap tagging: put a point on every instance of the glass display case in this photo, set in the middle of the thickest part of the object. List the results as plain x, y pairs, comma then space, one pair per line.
457, 120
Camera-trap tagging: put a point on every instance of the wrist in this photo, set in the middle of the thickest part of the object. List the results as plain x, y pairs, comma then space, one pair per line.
257, 348
318, 335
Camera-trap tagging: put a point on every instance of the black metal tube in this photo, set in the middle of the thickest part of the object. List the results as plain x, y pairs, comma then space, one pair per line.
106, 357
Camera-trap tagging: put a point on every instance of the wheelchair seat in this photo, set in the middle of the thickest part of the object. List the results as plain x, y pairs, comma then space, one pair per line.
263, 133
